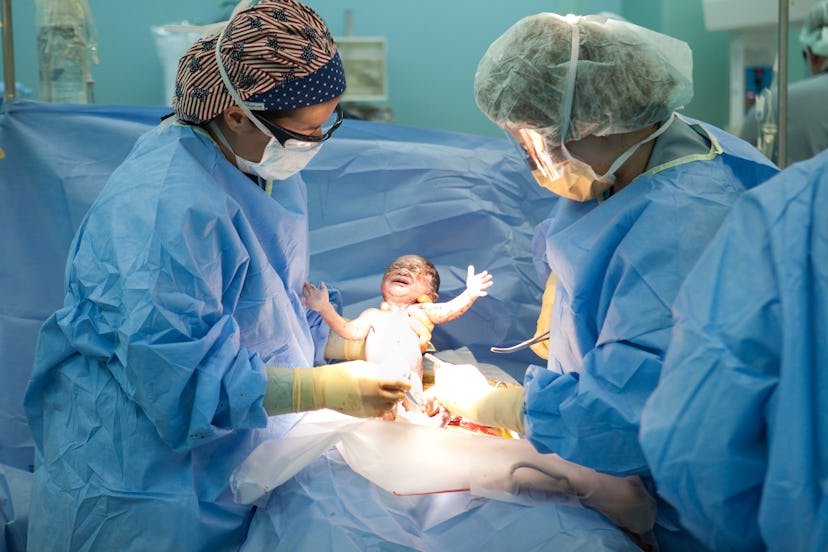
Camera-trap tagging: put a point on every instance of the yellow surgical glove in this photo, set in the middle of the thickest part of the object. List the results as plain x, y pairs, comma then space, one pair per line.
339, 348
421, 325
464, 391
347, 387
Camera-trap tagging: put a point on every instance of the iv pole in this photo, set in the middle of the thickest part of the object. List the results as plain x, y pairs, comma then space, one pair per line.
8, 50
782, 90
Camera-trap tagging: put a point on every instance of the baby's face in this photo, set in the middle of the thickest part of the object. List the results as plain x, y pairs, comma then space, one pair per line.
406, 280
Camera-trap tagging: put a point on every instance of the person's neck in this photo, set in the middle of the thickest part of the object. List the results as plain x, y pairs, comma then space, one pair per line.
393, 306
637, 163
212, 129
816, 63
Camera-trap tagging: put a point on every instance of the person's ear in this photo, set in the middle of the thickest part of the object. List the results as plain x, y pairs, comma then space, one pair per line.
235, 118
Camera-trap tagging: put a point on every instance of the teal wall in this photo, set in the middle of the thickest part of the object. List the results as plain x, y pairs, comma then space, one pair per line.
711, 72
433, 48
685, 21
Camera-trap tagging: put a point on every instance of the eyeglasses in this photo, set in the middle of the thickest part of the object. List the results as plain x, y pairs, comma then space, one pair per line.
289, 139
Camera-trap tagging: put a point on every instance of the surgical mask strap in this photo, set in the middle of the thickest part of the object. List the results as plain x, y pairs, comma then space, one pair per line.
220, 135
628, 153
225, 79
566, 105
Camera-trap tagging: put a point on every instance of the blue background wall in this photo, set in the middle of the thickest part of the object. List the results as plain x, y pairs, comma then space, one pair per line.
433, 48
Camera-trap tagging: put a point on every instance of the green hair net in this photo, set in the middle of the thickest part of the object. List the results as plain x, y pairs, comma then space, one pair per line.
814, 33
626, 77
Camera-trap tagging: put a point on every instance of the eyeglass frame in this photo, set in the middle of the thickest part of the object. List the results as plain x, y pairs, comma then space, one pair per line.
282, 134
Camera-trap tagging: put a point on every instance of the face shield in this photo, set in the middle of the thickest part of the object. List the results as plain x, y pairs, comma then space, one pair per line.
552, 165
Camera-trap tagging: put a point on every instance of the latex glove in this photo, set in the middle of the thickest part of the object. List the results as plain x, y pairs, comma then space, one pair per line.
339, 348
477, 284
347, 387
464, 391
421, 325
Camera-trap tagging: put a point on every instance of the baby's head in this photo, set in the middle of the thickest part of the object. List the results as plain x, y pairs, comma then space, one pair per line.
410, 279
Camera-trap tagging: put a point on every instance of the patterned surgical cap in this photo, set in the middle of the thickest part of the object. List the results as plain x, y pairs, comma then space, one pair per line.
279, 55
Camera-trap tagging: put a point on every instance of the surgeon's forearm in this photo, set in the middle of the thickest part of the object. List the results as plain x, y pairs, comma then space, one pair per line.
502, 407
345, 387
288, 390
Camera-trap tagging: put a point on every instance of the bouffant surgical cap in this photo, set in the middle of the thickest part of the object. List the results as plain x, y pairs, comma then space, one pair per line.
278, 54
625, 77
814, 33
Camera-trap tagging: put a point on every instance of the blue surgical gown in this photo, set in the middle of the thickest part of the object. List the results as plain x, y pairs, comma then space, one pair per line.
182, 283
619, 265
736, 432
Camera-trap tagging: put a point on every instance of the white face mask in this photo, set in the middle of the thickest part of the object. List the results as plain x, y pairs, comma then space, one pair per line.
278, 162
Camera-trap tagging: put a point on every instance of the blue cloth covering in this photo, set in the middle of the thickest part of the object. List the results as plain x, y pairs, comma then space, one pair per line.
736, 431
619, 265
14, 508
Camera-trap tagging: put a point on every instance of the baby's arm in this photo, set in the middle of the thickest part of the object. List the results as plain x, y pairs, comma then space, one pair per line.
317, 299
476, 286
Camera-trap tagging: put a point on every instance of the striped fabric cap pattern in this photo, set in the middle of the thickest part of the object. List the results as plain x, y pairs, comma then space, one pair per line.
279, 54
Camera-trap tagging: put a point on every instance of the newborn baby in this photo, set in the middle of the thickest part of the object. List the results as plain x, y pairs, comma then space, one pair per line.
410, 282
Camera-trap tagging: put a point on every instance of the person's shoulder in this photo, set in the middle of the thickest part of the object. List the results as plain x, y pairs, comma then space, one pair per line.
372, 313
807, 97
806, 180
813, 82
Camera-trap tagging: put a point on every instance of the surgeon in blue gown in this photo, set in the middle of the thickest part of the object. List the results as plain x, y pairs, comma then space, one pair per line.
736, 432
591, 101
182, 343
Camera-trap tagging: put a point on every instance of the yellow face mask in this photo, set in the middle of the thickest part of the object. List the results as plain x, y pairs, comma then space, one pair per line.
562, 174
574, 183
557, 170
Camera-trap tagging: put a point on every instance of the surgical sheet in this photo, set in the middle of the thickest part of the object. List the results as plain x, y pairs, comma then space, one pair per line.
413, 457
328, 506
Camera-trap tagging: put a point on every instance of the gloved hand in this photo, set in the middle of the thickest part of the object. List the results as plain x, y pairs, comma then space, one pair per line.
347, 387
477, 284
421, 325
464, 391
339, 348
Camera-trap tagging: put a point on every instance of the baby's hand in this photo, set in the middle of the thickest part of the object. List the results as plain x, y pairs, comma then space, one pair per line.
315, 298
476, 284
